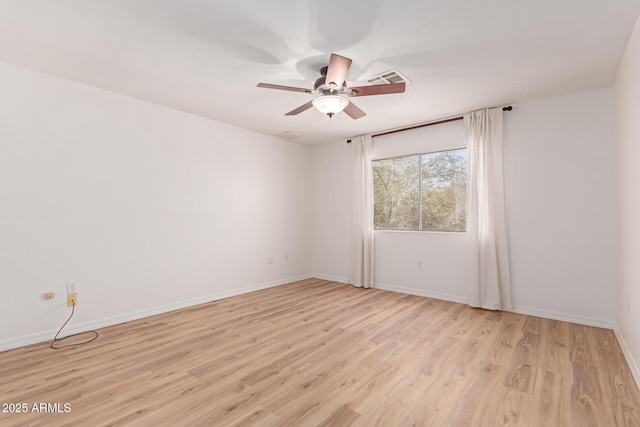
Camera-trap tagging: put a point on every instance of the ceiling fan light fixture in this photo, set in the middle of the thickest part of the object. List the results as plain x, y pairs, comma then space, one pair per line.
330, 104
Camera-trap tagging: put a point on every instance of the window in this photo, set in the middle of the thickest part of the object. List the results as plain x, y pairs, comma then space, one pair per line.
421, 192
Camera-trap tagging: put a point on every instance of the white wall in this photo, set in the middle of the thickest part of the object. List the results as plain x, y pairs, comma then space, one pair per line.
561, 213
331, 210
627, 97
441, 258
561, 207
145, 208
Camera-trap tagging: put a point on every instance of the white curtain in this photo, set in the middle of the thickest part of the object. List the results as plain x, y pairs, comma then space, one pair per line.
487, 270
361, 254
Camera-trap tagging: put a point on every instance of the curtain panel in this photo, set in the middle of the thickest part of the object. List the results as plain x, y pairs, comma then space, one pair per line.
487, 269
361, 253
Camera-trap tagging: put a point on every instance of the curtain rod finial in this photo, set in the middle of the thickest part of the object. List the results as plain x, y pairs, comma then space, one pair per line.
507, 108
348, 141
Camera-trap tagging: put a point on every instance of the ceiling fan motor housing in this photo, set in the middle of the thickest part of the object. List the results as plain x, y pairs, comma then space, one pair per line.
320, 85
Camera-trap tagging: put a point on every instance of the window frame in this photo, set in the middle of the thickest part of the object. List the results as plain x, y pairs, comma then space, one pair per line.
419, 154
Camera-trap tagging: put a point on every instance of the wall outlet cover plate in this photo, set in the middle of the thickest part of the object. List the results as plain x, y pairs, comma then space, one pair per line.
72, 300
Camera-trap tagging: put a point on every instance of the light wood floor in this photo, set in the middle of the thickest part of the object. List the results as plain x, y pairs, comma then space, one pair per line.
321, 353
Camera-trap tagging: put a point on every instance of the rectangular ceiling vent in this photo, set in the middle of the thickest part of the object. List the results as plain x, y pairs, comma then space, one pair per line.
393, 76
291, 136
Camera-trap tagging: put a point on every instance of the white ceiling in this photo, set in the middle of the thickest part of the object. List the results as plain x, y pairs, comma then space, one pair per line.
206, 56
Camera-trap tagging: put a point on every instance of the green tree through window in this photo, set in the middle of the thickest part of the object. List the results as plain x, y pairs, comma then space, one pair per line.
422, 192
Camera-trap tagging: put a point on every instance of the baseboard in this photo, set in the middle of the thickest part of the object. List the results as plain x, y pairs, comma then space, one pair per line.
330, 278
628, 356
421, 293
128, 317
582, 320
554, 315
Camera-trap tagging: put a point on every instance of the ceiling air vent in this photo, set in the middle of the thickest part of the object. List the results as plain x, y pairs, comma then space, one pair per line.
393, 76
290, 135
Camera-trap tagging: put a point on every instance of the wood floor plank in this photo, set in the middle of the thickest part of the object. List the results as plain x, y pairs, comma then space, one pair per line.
343, 416
550, 406
321, 353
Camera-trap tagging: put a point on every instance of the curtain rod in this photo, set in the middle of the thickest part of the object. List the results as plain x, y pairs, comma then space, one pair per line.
438, 122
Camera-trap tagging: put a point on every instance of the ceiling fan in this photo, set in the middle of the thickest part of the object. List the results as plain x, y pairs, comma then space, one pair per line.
333, 90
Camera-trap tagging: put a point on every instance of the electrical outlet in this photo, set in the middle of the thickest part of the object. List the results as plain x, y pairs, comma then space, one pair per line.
72, 288
49, 295
419, 265
270, 260
72, 300
286, 257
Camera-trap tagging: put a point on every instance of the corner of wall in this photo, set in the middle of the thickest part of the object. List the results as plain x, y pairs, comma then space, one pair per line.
627, 127
635, 370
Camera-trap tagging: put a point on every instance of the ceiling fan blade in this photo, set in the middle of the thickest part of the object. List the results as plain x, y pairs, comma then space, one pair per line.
354, 112
337, 71
280, 87
377, 89
300, 109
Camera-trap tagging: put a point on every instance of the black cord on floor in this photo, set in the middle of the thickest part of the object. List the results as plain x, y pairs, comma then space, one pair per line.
56, 339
